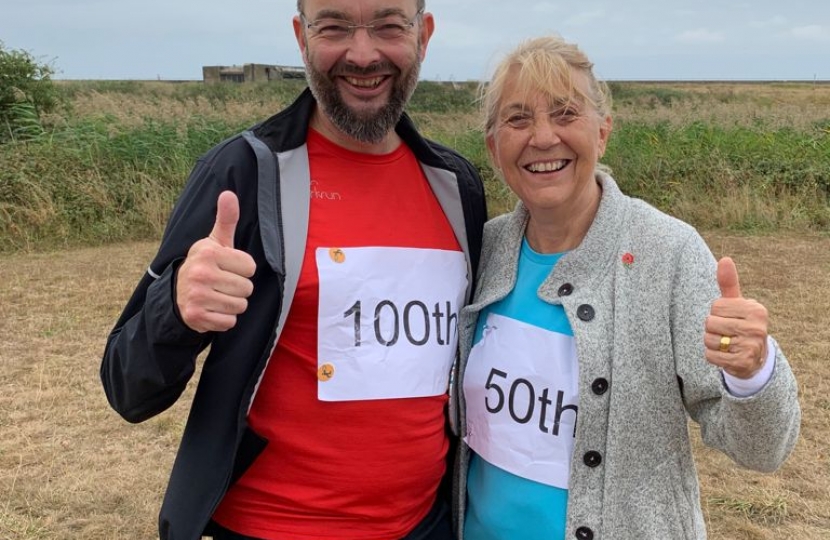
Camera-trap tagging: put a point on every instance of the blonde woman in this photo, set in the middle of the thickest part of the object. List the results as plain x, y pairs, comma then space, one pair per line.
598, 325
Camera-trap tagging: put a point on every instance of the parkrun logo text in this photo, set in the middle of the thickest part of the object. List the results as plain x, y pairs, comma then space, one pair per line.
317, 193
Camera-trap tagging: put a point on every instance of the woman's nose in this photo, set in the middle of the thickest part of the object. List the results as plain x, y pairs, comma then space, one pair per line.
545, 132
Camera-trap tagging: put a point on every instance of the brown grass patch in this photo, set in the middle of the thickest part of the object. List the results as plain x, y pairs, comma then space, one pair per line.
132, 110
794, 105
71, 468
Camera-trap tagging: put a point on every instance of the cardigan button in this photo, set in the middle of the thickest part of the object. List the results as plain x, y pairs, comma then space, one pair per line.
592, 459
599, 386
585, 312
584, 533
566, 289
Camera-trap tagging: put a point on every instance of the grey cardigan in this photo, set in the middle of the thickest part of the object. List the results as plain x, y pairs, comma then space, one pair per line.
639, 338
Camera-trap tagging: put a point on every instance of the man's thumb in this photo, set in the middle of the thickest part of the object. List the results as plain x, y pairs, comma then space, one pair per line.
227, 216
728, 282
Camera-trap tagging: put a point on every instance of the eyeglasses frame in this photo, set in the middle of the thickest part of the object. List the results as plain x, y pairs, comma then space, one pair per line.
352, 28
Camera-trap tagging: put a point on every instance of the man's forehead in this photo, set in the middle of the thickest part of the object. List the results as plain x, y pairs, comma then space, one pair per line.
360, 8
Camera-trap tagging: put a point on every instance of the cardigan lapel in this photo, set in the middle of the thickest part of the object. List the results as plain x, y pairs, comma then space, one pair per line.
589, 261
593, 258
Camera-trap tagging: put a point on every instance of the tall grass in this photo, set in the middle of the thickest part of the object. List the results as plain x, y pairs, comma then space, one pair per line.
97, 181
737, 178
108, 168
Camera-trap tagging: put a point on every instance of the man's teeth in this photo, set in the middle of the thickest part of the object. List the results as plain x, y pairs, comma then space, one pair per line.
365, 83
548, 166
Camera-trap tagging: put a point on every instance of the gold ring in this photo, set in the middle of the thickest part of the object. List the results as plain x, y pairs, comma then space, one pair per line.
725, 341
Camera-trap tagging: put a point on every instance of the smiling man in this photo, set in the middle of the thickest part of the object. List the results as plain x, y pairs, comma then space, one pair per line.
323, 255
361, 90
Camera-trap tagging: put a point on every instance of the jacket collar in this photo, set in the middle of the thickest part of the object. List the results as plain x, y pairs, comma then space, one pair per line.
588, 262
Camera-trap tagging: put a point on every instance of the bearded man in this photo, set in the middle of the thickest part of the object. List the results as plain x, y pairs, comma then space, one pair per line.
323, 255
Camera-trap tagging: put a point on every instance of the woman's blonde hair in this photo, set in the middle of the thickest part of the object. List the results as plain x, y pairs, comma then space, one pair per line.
545, 64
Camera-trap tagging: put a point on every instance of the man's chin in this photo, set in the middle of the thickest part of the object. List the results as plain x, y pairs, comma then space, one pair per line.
365, 105
366, 111
366, 114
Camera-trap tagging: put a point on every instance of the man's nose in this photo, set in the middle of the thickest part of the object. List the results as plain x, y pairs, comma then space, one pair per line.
363, 50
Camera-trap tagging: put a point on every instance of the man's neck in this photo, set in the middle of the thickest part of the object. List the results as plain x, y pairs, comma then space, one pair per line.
327, 129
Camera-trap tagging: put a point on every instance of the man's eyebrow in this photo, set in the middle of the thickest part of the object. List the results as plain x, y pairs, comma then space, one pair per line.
328, 13
331, 14
389, 12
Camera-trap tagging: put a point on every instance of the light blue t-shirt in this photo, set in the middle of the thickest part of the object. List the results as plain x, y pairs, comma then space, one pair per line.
501, 505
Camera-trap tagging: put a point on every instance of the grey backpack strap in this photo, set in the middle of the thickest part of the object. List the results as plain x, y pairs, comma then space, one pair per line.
268, 196
282, 201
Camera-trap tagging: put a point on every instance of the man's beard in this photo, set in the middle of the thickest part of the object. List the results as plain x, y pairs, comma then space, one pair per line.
367, 127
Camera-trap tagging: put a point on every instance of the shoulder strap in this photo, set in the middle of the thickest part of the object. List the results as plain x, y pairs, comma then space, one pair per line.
268, 197
283, 187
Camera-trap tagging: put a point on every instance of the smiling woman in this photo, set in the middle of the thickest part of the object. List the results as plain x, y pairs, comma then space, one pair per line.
583, 350
546, 143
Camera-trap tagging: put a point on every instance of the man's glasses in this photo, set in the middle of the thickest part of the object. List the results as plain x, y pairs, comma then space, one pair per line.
387, 28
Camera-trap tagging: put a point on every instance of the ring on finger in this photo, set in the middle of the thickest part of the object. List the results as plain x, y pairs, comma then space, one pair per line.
725, 341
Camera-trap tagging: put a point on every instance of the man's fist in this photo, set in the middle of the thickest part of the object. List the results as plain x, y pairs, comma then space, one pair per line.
213, 283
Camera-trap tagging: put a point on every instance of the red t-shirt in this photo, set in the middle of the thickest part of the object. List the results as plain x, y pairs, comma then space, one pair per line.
344, 470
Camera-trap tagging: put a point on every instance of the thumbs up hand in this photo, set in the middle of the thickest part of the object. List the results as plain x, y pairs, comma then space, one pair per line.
213, 283
736, 328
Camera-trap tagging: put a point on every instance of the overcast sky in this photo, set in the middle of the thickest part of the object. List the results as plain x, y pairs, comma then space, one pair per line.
626, 39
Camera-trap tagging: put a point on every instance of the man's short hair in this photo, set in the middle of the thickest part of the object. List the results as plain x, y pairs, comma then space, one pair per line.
421, 5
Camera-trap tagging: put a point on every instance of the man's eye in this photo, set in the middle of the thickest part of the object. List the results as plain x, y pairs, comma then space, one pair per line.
333, 29
389, 30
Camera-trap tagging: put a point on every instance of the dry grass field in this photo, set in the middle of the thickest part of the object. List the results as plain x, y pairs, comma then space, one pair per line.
70, 468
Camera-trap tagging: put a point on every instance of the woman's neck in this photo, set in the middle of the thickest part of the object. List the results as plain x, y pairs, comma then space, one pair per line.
555, 232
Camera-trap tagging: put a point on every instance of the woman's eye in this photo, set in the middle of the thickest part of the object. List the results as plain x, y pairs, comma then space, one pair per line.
565, 116
518, 121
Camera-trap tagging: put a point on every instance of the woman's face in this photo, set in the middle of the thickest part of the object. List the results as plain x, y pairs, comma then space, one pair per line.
547, 149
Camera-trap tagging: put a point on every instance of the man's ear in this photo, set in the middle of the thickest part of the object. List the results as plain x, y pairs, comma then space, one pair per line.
299, 34
426, 30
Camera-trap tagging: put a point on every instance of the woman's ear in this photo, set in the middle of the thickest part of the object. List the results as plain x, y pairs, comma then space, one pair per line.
605, 128
490, 140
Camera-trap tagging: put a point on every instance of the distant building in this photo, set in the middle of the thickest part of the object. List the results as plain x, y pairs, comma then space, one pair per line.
250, 73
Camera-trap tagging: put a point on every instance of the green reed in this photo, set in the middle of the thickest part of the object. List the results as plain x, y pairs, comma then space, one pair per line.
87, 179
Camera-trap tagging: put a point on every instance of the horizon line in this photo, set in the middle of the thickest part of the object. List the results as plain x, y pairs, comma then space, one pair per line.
477, 81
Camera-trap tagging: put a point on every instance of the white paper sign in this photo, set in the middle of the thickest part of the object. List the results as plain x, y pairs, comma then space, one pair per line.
387, 324
521, 390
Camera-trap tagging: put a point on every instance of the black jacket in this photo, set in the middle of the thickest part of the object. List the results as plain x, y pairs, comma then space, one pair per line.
151, 355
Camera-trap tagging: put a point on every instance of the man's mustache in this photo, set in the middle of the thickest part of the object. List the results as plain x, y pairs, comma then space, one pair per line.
345, 69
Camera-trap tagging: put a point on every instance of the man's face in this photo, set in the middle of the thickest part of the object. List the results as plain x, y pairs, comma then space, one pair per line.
362, 78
